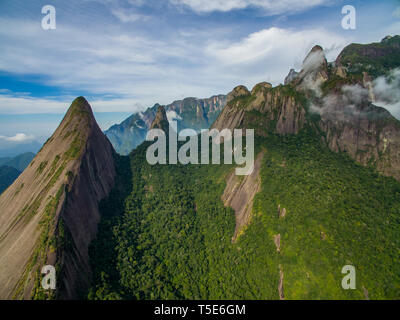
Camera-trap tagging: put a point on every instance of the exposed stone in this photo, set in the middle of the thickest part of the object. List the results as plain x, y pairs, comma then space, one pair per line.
277, 106
281, 212
291, 76
341, 71
280, 286
366, 294
260, 86
238, 91
239, 195
72, 172
277, 241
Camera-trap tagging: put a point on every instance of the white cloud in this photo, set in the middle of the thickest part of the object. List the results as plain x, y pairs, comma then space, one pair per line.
173, 116
19, 137
106, 61
387, 92
146, 70
268, 54
125, 17
342, 106
10, 104
270, 6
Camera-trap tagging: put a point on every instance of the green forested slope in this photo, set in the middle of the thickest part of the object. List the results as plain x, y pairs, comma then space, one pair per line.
170, 237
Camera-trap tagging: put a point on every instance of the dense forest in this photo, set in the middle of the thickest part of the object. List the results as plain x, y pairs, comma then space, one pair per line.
170, 235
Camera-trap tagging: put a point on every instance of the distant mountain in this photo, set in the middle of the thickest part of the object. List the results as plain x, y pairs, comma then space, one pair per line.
10, 152
11, 168
4, 160
52, 209
19, 162
191, 113
7, 176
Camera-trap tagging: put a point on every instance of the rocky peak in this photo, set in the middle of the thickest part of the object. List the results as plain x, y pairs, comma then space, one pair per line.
260, 86
315, 68
291, 76
265, 109
238, 91
54, 202
160, 121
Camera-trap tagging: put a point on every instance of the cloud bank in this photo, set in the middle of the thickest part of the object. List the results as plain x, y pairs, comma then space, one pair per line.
269, 6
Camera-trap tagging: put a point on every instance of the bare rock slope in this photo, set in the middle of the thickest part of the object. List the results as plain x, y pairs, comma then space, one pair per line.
49, 215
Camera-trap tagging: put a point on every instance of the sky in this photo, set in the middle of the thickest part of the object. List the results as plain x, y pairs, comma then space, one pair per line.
127, 55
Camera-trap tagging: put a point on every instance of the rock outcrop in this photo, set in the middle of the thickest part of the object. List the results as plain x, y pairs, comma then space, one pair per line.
281, 212
277, 242
280, 286
239, 195
266, 109
160, 120
290, 77
49, 215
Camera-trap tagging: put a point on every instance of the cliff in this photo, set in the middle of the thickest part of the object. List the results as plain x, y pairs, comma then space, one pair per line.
49, 215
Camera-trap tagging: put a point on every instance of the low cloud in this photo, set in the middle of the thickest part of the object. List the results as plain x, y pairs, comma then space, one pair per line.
313, 61
311, 65
18, 138
342, 107
387, 92
269, 53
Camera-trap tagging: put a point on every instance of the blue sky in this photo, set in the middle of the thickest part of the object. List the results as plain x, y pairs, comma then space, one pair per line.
127, 55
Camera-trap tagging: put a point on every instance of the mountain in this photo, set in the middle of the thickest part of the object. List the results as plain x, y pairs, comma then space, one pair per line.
191, 113
10, 152
49, 215
4, 160
160, 120
322, 196
20, 162
332, 99
7, 176
11, 168
375, 58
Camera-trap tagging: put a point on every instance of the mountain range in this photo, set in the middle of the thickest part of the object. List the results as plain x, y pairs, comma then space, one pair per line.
324, 194
191, 113
11, 168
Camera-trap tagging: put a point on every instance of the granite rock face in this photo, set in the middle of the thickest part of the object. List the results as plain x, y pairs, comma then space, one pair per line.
49, 215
